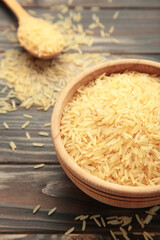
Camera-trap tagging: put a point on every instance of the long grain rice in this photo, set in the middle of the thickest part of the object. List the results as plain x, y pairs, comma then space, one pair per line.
4, 89
47, 124
13, 145
28, 136
81, 217
37, 144
40, 37
5, 125
147, 236
103, 222
52, 211
148, 219
27, 116
83, 225
25, 124
113, 235
129, 228
125, 115
115, 15
13, 104
39, 165
69, 231
36, 208
140, 221
111, 30
46, 134
124, 233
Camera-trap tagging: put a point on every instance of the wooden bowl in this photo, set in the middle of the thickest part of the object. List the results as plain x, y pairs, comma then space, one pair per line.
103, 191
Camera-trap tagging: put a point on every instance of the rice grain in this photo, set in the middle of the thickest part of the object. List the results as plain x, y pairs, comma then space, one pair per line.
69, 231
116, 14
25, 124
113, 235
37, 144
5, 125
27, 116
46, 134
52, 211
28, 136
12, 145
36, 209
39, 165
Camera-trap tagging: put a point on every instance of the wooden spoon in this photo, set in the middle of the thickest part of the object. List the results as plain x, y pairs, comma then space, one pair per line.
22, 17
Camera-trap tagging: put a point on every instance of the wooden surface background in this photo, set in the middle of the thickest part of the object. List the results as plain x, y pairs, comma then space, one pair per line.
21, 186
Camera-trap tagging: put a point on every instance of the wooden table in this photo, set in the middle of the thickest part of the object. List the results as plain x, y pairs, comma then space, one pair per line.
22, 187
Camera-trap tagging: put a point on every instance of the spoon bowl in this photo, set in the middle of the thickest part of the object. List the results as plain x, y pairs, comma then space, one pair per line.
33, 29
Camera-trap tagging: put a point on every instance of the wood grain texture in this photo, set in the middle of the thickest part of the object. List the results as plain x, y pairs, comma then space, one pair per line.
21, 186
136, 30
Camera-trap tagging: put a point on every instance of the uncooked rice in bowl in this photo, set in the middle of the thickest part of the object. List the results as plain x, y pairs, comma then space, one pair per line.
111, 128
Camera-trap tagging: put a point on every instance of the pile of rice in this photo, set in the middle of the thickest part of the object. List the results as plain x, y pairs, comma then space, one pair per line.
38, 82
40, 37
111, 128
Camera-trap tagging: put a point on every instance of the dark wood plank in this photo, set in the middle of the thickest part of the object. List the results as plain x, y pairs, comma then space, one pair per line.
22, 188
135, 30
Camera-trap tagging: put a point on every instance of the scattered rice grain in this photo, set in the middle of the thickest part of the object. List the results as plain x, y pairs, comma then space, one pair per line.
140, 221
81, 217
39, 165
44, 134
111, 30
25, 124
27, 116
113, 235
69, 231
148, 219
124, 233
47, 124
52, 211
84, 225
36, 209
129, 228
147, 236
37, 144
12, 145
5, 125
13, 104
28, 136
115, 15
4, 89
103, 222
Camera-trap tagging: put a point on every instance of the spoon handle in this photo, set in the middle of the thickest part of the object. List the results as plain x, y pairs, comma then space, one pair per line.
17, 9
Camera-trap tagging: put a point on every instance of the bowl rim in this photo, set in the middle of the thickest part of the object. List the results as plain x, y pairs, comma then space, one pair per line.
63, 156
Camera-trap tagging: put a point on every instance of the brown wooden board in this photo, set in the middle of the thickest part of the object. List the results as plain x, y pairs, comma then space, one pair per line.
22, 187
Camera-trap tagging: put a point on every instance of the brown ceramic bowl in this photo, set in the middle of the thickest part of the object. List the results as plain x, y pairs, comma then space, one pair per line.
103, 191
